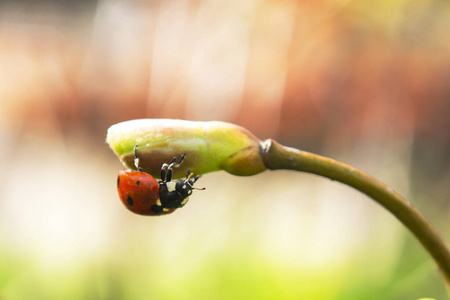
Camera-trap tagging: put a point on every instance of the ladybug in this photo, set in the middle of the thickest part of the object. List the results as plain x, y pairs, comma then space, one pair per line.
142, 194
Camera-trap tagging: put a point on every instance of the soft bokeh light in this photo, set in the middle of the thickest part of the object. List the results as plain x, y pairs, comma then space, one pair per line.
365, 83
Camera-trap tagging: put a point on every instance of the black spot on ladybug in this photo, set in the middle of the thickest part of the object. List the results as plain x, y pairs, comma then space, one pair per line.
157, 209
137, 182
118, 181
130, 201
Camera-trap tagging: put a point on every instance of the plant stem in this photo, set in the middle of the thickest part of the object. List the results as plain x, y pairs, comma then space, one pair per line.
277, 156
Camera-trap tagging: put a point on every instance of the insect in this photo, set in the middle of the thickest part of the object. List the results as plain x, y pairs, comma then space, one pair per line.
142, 194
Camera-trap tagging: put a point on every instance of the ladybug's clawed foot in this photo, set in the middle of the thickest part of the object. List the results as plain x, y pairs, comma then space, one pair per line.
136, 159
166, 169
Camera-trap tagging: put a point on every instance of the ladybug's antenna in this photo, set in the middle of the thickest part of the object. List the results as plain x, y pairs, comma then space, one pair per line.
191, 182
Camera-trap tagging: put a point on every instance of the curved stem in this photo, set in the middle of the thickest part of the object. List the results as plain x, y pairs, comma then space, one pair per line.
277, 156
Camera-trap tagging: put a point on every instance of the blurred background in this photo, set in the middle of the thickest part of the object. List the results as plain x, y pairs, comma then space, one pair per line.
364, 82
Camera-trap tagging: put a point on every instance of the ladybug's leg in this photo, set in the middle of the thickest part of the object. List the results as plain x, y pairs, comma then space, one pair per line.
136, 159
166, 169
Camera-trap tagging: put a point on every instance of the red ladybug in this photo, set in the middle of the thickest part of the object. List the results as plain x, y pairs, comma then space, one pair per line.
143, 195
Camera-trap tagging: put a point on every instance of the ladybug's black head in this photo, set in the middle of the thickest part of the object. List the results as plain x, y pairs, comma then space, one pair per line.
185, 187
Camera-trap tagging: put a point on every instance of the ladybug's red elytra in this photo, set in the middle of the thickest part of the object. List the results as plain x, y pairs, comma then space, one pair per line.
142, 194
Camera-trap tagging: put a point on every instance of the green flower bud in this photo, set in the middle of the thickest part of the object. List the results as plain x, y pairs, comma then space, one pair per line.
209, 146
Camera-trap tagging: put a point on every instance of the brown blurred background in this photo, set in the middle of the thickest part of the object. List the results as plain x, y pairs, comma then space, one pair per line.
364, 82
